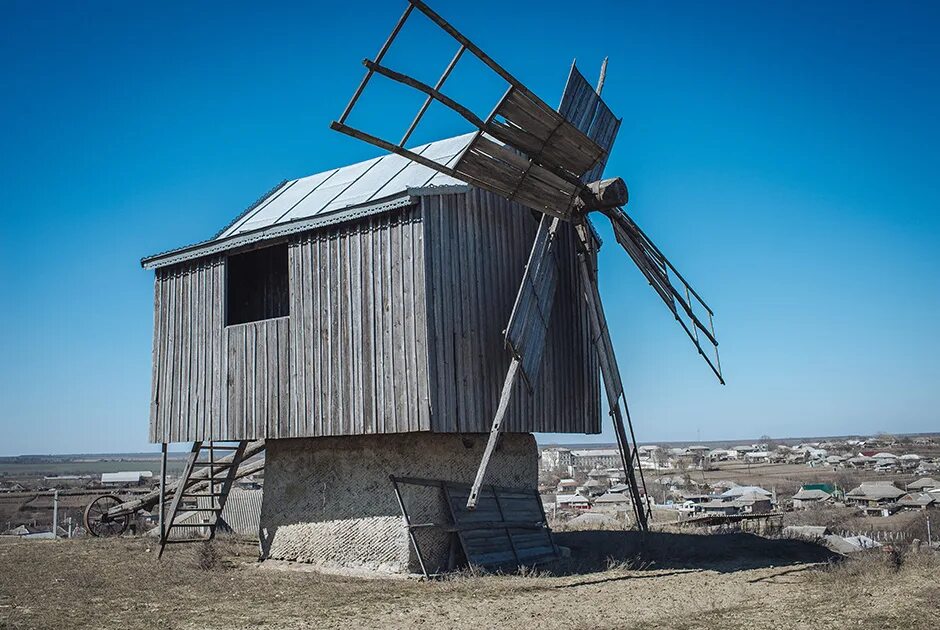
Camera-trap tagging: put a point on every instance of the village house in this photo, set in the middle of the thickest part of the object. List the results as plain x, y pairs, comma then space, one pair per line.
594, 487
572, 502
924, 483
753, 503
716, 507
612, 502
917, 501
909, 461
807, 498
126, 478
754, 457
586, 459
875, 498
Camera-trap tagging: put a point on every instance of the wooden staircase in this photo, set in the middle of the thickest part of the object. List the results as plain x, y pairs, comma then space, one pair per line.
217, 465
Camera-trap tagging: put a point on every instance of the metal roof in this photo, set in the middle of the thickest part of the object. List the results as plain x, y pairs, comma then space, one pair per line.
329, 197
352, 185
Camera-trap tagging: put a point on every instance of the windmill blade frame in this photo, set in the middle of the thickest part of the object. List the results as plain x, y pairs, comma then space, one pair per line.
656, 267
524, 150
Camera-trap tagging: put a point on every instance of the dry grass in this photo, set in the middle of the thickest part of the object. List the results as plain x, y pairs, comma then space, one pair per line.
667, 582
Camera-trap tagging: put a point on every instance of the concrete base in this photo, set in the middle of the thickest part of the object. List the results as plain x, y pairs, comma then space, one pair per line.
329, 501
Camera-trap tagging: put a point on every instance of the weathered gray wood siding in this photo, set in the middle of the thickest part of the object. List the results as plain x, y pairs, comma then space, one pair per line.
477, 248
212, 381
359, 363
257, 397
396, 325
188, 352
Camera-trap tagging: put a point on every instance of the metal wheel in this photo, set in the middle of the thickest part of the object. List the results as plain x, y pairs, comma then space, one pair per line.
97, 521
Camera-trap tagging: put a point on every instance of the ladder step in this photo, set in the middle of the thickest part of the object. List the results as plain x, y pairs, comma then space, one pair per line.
196, 496
201, 509
221, 464
190, 525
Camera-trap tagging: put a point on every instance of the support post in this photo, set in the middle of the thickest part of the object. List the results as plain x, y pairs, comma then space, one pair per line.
162, 489
508, 385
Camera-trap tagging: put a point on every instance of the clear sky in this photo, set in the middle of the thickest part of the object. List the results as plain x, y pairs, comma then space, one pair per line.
785, 156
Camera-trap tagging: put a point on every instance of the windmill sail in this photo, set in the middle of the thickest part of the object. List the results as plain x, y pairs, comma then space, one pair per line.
680, 297
584, 108
524, 150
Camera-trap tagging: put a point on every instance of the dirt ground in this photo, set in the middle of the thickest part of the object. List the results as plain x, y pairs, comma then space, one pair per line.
613, 580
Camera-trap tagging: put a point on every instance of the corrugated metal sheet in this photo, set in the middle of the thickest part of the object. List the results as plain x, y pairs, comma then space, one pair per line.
350, 186
242, 511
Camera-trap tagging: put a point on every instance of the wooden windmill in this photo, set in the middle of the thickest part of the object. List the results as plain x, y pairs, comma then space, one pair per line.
552, 162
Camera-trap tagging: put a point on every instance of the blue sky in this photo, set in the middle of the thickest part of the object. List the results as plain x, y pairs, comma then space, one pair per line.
784, 156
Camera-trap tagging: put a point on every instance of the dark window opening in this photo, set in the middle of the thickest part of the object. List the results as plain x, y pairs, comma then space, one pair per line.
256, 285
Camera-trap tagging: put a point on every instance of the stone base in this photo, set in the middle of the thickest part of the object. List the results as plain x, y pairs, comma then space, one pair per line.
329, 501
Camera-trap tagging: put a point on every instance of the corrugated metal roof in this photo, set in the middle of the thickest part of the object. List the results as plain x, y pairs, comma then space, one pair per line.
350, 186
330, 197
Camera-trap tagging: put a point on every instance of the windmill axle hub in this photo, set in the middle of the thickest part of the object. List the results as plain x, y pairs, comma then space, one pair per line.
604, 194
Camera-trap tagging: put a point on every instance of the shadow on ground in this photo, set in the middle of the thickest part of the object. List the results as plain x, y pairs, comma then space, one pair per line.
593, 551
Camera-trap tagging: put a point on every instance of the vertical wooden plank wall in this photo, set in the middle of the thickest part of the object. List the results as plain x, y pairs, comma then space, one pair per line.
477, 248
211, 381
396, 325
358, 359
188, 349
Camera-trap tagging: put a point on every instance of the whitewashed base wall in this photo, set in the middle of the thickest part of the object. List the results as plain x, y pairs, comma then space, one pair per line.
329, 501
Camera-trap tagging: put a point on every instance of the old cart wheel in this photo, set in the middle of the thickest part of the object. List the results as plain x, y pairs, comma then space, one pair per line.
97, 521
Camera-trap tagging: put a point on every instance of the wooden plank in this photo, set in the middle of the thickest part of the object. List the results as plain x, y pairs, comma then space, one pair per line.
508, 386
197, 406
155, 357
419, 304
355, 358
367, 324
410, 376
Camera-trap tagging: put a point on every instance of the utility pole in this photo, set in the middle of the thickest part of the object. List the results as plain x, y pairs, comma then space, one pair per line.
55, 514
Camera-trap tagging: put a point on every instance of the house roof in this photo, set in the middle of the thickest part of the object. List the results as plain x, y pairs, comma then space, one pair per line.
126, 476
811, 495
741, 491
327, 198
596, 452
614, 497
918, 499
924, 482
875, 490
570, 498
805, 531
349, 186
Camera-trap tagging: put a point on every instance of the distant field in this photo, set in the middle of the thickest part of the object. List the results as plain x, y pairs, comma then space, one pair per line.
31, 469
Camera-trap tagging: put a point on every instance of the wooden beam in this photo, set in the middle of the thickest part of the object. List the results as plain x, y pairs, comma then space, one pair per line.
378, 57
611, 374
512, 375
